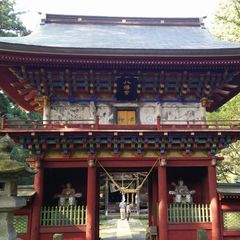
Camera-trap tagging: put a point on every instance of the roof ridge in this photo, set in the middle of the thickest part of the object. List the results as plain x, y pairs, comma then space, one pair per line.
81, 19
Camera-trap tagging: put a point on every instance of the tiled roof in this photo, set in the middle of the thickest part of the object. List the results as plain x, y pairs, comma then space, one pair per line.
229, 188
154, 34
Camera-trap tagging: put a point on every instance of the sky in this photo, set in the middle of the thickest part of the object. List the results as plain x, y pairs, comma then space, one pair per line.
127, 8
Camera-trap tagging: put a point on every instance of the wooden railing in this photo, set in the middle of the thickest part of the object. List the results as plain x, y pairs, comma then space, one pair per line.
95, 124
189, 213
59, 215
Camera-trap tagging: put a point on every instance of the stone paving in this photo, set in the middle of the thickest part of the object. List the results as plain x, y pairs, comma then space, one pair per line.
116, 229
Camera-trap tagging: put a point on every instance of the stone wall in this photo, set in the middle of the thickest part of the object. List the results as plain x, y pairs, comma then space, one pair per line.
146, 113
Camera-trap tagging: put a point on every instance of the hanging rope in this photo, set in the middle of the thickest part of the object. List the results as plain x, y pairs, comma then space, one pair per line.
126, 189
129, 183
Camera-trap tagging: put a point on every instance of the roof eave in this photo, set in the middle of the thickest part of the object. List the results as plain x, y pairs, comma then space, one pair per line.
34, 49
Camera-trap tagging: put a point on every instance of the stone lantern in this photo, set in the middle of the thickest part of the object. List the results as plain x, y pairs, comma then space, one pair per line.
10, 171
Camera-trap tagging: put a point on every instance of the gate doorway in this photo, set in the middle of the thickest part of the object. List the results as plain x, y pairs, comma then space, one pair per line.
111, 225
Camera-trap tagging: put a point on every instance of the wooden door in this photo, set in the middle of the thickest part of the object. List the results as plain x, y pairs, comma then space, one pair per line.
126, 117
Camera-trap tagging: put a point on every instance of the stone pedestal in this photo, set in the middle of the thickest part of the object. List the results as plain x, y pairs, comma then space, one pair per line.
7, 207
7, 232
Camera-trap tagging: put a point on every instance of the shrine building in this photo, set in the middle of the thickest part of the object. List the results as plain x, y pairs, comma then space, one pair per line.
124, 103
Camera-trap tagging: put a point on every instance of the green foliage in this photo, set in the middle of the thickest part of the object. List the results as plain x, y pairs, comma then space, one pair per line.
10, 24
226, 26
229, 169
229, 111
12, 111
19, 154
227, 20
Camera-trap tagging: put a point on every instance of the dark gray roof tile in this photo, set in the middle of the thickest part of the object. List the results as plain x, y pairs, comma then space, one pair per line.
120, 36
229, 188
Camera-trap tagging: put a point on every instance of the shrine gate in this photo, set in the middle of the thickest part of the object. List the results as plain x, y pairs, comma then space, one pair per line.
126, 94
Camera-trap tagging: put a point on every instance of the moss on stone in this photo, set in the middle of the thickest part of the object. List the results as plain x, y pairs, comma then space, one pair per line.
8, 166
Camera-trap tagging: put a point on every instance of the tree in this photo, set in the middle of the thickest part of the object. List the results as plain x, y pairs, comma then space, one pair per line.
10, 23
229, 111
226, 25
4, 104
229, 169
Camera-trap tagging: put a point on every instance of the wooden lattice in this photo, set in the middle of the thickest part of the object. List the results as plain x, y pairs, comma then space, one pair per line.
231, 220
21, 223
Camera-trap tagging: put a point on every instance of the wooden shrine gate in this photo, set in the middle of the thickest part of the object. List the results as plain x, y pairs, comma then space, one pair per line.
122, 153
82, 221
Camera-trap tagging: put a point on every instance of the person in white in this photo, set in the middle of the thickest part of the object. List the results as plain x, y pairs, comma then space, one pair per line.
128, 210
122, 206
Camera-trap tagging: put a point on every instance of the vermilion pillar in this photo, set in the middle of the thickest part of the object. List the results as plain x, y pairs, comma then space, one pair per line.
162, 198
214, 201
150, 202
91, 201
97, 207
154, 198
36, 212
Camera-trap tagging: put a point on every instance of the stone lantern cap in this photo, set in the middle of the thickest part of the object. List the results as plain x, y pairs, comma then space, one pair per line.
8, 166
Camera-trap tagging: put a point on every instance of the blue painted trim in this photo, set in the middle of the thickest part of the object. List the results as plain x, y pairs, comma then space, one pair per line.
76, 100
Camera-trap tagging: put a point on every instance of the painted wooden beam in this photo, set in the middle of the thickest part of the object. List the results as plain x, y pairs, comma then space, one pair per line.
231, 86
6, 78
31, 95
221, 91
218, 97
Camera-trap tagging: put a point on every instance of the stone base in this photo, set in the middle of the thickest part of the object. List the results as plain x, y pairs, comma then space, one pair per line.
7, 232
7, 207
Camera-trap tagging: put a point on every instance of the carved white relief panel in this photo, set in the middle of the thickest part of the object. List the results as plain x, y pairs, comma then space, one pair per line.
72, 111
148, 113
105, 113
192, 112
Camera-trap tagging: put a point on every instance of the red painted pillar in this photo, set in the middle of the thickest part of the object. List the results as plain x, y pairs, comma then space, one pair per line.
158, 122
91, 201
162, 198
97, 122
36, 212
150, 201
214, 201
97, 206
154, 198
